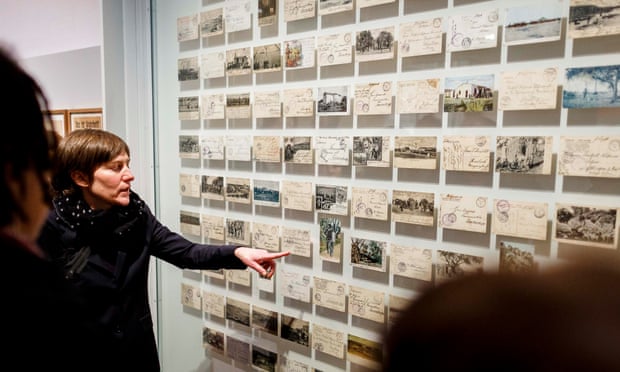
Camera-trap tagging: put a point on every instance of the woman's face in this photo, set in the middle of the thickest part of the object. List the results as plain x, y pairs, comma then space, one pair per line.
110, 184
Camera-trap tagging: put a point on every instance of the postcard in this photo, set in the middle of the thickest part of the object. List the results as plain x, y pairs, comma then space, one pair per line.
529, 24
528, 90
373, 98
238, 231
367, 3
238, 190
217, 274
467, 213
187, 28
188, 69
330, 294
263, 359
238, 106
588, 87
375, 44
267, 105
466, 153
212, 22
367, 304
213, 227
297, 241
213, 106
418, 152
266, 236
266, 285
238, 311
265, 320
190, 296
331, 199
189, 223
297, 195
241, 277
295, 285
411, 262
412, 207
212, 187
586, 225
472, 31
396, 307
418, 96
214, 304
267, 193
267, 58
335, 49
334, 6
516, 257
364, 352
189, 185
593, 156
295, 10
298, 102
420, 38
589, 18
267, 148
331, 239
238, 61
332, 150
369, 203
189, 108
452, 265
238, 148
328, 340
292, 365
213, 65
295, 330
299, 53
522, 219
267, 12
238, 350
237, 15
212, 147
298, 150
189, 147
371, 151
213, 339
333, 100
529, 155
368, 254
468, 94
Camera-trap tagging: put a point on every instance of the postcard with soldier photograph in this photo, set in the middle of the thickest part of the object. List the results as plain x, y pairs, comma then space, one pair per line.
524, 154
189, 108
213, 339
375, 44
331, 239
189, 147
332, 199
516, 257
298, 150
371, 151
412, 207
238, 231
212, 187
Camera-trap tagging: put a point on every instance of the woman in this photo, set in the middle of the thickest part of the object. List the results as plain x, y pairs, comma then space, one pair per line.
104, 235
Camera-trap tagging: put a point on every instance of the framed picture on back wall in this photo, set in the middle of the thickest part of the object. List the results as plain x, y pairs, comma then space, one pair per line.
84, 118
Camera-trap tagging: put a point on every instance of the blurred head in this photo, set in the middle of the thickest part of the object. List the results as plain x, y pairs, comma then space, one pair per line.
95, 163
26, 145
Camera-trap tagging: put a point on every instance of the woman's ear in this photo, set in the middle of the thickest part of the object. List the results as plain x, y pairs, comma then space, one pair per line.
80, 179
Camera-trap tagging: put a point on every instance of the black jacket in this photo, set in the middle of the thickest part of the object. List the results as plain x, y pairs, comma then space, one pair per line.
107, 253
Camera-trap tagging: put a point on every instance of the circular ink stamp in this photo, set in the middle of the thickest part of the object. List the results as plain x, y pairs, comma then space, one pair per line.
480, 141
387, 86
448, 219
317, 297
402, 267
503, 217
347, 37
436, 22
502, 205
614, 145
493, 16
466, 43
331, 58
539, 212
481, 202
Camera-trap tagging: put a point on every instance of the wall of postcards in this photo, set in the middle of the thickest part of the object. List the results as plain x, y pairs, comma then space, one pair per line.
390, 146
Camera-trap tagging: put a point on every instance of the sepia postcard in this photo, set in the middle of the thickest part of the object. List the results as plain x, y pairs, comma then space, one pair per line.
332, 199
516, 257
371, 151
237, 15
212, 187
533, 24
373, 98
238, 311
212, 147
216, 274
368, 3
299, 53
364, 352
267, 148
411, 262
213, 339
213, 227
264, 284
298, 150
295, 330
238, 190
418, 96
295, 285
265, 320
588, 87
586, 225
238, 106
375, 44
241, 277
332, 150
297, 241
328, 340
367, 304
267, 12
331, 239
212, 65
334, 6
333, 100
294, 10
189, 108
467, 213
189, 185
212, 22
267, 58
521, 219
472, 31
189, 147
466, 153
519, 154
452, 265
369, 203
368, 254
297, 195
267, 105
589, 156
292, 365
238, 61
188, 69
187, 28
238, 231
298, 102
468, 94
590, 18
528, 90
263, 359
190, 296
412, 207
238, 350
266, 236
336, 49
267, 193
213, 106
189, 223
419, 38
396, 307
417, 152
330, 294
238, 148
214, 304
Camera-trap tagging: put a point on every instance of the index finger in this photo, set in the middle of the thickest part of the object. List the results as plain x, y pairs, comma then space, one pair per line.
272, 256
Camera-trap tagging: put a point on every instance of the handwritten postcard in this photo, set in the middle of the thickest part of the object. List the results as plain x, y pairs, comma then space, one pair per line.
375, 44
328, 340
189, 108
212, 22
371, 151
264, 284
367, 304
589, 18
212, 187
516, 257
330, 294
267, 105
466, 153
189, 223
367, 3
213, 227
467, 213
370, 203
295, 330
237, 15
267, 148
190, 296
187, 28
332, 150
238, 190
529, 24
452, 265
411, 262
267, 193
420, 38
292, 365
188, 69
331, 199
368, 254
528, 90
364, 352
586, 225
241, 277
522, 219
295, 10
298, 102
589, 156
238, 106
295, 285
265, 320
299, 53
418, 152
213, 340
266, 236
373, 98
331, 239
418, 96
213, 65
472, 31
189, 185
412, 207
212, 147
189, 147
297, 195
333, 100
335, 49
238, 231
213, 106
468, 93
519, 154
214, 304
238, 148
238, 311
298, 150
334, 6
297, 241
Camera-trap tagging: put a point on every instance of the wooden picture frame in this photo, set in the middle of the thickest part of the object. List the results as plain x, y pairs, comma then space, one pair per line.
84, 118
60, 124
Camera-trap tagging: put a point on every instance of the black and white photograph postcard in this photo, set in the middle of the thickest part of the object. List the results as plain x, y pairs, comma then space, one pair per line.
334, 6
333, 100
468, 94
332, 199
267, 11
374, 45
298, 150
238, 311
212, 187
417, 152
188, 69
267, 192
586, 225
265, 320
523, 155
331, 239
212, 22
588, 87
238, 190
189, 223
238, 231
452, 265
591, 18
238, 106
238, 61
371, 151
533, 24
213, 339
268, 57
516, 257
368, 254
412, 207
263, 359
189, 147
295, 330
364, 352
189, 108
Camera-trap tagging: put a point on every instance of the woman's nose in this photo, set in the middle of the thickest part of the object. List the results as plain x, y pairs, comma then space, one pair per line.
128, 175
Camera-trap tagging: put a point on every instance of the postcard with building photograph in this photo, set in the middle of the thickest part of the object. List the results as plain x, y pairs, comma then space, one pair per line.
238, 61
238, 106
417, 152
189, 108
263, 359
238, 311
366, 303
533, 24
516, 257
413, 207
586, 225
212, 22
189, 223
469, 93
267, 193
238, 190
331, 239
295, 330
364, 352
452, 265
238, 231
213, 339
332, 199
333, 100
299, 53
591, 18
368, 254
588, 87
298, 150
422, 37
267, 58
524, 155
371, 151
294, 10
375, 44
188, 69
212, 187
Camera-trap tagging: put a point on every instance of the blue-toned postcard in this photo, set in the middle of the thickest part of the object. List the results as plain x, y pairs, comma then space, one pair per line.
588, 87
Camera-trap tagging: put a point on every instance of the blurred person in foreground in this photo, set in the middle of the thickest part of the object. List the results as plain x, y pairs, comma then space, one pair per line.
104, 235
44, 324
563, 319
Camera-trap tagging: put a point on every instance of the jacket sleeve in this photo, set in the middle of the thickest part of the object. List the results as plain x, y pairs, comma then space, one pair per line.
175, 249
